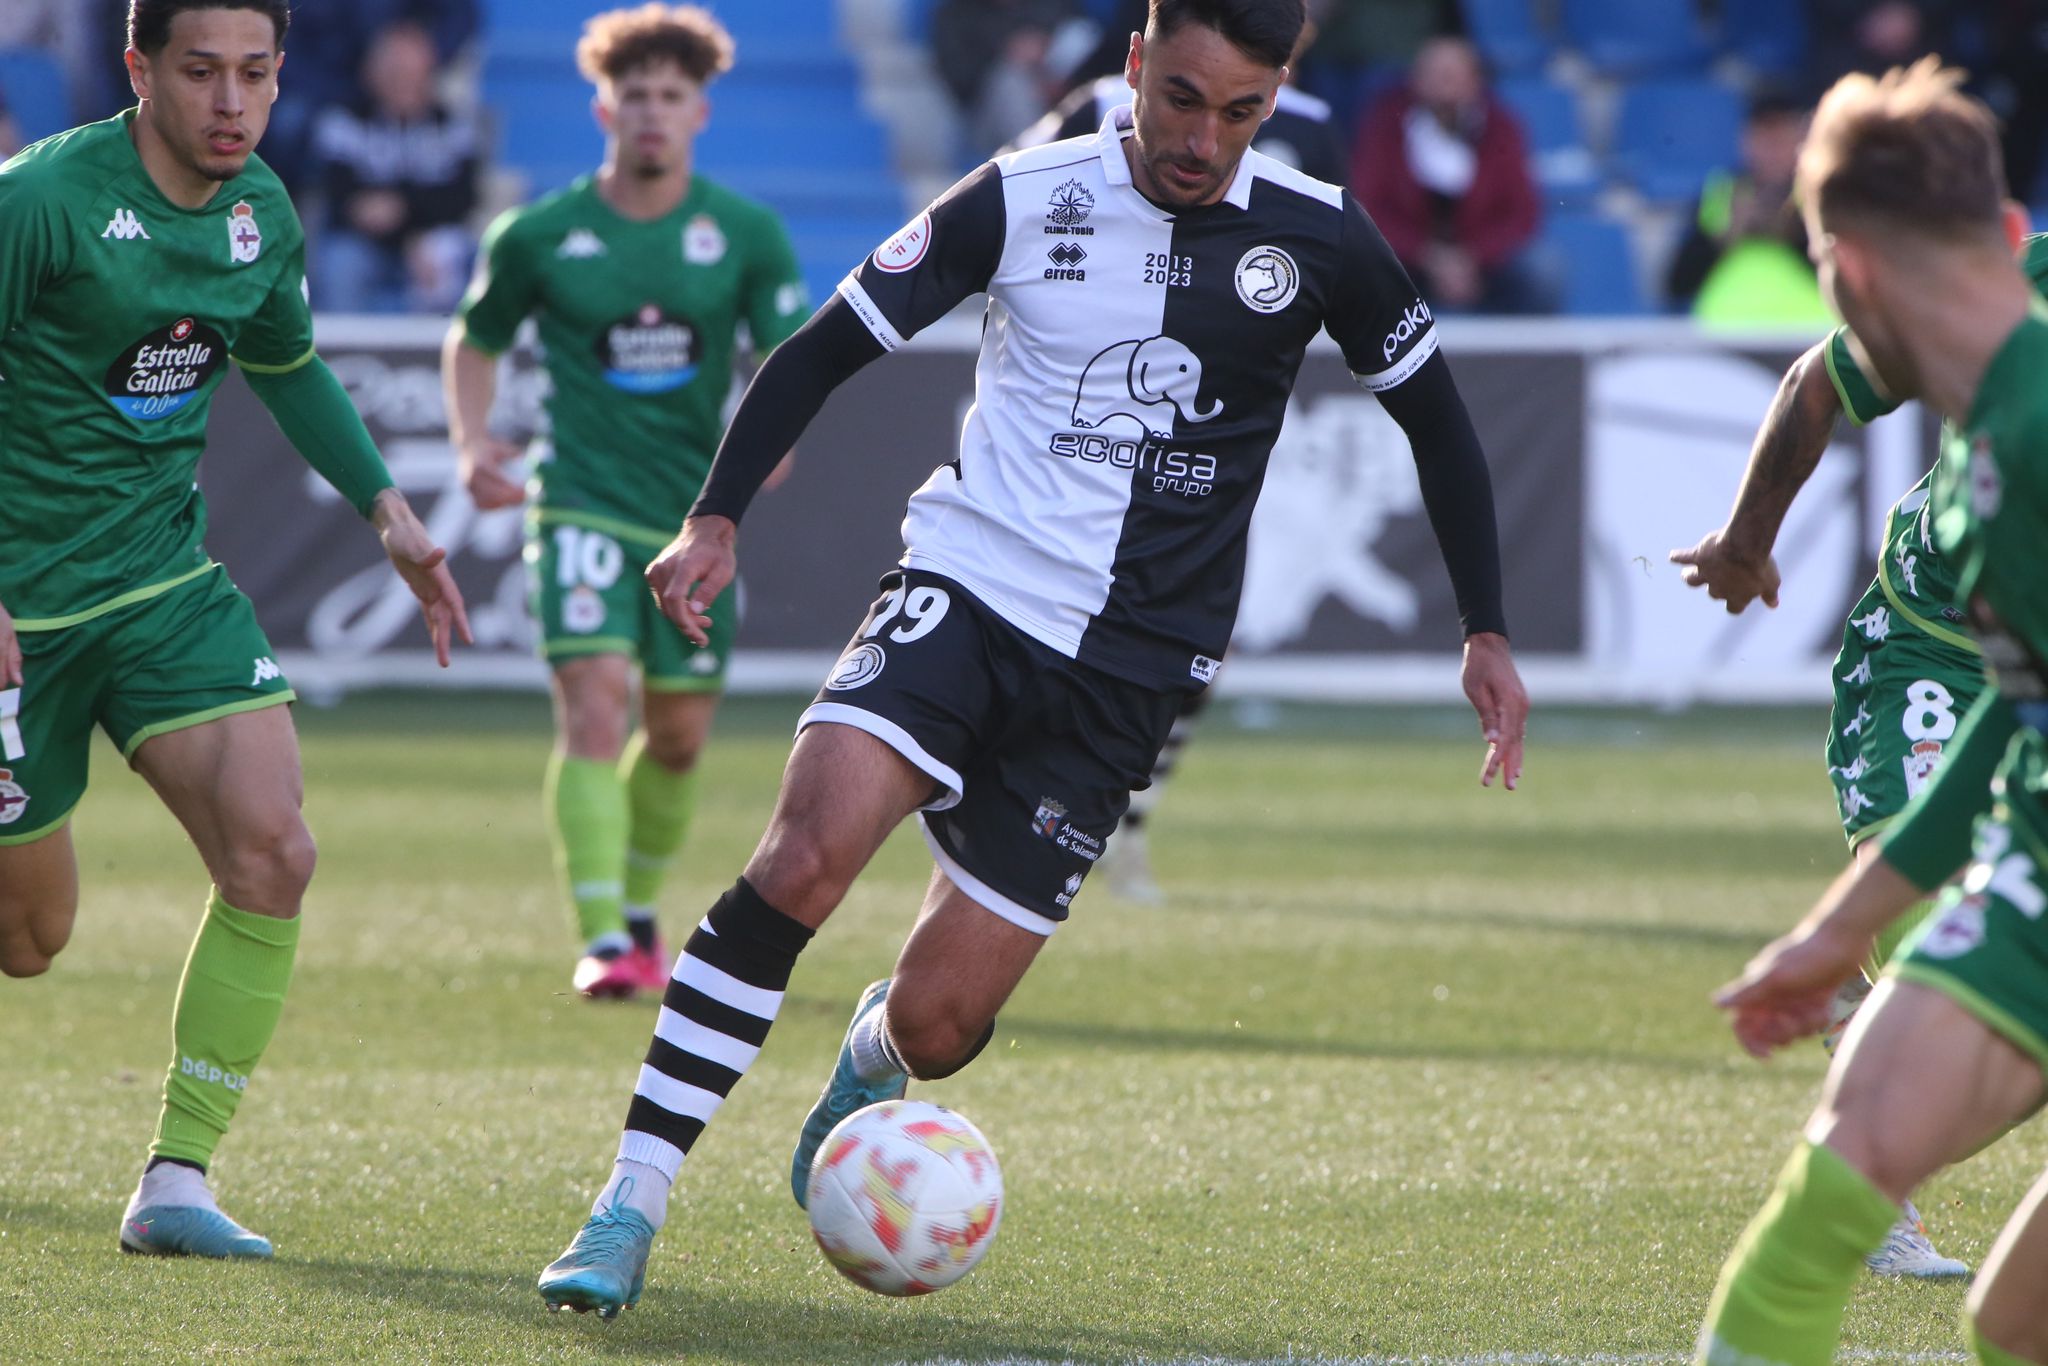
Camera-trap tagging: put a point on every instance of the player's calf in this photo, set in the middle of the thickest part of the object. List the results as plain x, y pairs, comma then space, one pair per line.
38, 904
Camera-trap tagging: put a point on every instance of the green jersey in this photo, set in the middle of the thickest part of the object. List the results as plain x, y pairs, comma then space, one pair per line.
1918, 581
119, 311
639, 324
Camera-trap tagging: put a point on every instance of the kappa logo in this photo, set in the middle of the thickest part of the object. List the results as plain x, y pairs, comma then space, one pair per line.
266, 669
581, 245
1151, 382
124, 226
245, 239
13, 798
1267, 279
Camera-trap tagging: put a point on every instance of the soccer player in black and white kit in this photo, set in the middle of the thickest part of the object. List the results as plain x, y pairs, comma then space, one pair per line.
1069, 574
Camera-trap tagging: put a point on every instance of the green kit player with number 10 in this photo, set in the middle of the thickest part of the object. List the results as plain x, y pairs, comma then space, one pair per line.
137, 257
640, 278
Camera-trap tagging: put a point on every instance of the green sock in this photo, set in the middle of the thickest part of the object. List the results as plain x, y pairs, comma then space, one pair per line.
1988, 1353
587, 807
1784, 1287
1893, 935
662, 801
228, 1004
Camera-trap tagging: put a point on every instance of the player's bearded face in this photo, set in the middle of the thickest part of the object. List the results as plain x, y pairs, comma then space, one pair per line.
208, 92
1198, 104
653, 115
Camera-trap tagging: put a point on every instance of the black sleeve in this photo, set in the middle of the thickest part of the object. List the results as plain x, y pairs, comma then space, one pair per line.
1457, 492
787, 392
944, 255
1376, 315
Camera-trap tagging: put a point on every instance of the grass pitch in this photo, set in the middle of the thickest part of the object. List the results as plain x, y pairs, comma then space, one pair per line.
1406, 1069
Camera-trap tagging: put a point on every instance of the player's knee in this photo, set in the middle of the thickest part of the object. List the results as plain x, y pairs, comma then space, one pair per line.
270, 869
676, 753
1880, 1155
2010, 1323
800, 874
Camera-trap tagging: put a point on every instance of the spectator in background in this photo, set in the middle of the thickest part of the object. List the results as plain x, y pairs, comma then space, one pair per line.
1366, 47
1443, 168
1875, 35
323, 65
1001, 61
399, 172
2015, 85
1743, 258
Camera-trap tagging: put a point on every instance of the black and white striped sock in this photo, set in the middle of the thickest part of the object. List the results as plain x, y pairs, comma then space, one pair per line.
727, 985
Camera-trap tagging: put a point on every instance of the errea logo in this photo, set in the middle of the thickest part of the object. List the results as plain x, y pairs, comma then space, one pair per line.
124, 226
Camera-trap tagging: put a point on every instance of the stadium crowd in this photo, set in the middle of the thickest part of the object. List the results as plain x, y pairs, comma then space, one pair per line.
1523, 156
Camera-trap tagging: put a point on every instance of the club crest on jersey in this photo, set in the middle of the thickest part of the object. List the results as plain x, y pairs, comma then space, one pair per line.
1046, 820
903, 251
245, 239
703, 241
13, 799
1267, 279
1987, 489
1920, 765
860, 665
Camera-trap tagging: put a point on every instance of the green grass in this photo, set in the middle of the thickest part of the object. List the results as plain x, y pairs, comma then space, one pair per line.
1407, 1068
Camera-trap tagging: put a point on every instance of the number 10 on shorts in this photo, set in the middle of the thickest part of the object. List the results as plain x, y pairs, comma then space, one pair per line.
10, 725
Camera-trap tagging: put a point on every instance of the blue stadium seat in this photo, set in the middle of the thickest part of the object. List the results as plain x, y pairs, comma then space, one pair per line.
1671, 133
1507, 32
1591, 259
37, 94
1637, 37
1563, 162
1770, 35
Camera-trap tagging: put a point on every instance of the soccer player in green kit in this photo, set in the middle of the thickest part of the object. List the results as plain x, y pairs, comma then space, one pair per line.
1907, 670
138, 256
1904, 196
640, 277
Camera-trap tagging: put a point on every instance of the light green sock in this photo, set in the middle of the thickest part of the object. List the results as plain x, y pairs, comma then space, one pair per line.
587, 811
1989, 1353
1784, 1287
229, 1001
662, 802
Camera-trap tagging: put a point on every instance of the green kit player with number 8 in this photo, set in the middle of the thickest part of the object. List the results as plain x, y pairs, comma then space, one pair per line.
1908, 669
640, 278
137, 257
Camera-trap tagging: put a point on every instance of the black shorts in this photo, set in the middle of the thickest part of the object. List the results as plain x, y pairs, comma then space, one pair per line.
1033, 756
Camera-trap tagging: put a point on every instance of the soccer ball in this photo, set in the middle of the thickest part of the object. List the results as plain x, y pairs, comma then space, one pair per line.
905, 1197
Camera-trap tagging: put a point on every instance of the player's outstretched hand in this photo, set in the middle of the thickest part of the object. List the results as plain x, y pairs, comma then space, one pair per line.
1496, 693
1730, 571
10, 652
688, 576
1784, 993
481, 464
423, 566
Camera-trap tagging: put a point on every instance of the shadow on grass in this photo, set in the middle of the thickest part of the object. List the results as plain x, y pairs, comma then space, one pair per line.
676, 1319
1738, 939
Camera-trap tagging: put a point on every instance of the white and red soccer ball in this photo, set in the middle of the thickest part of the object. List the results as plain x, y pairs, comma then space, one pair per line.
905, 1197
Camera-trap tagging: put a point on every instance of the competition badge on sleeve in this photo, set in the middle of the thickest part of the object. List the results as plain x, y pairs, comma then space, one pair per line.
245, 239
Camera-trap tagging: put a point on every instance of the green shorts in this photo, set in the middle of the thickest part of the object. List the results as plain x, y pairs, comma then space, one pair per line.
1986, 945
590, 598
183, 657
1899, 695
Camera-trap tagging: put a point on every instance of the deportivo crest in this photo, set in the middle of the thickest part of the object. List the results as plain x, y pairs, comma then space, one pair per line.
1987, 490
703, 241
1045, 821
1267, 279
1920, 765
13, 800
245, 239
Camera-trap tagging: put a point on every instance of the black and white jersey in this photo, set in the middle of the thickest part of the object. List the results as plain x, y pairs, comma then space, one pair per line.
1299, 133
1135, 367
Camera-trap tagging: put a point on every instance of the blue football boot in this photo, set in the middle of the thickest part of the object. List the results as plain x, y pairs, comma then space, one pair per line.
844, 1093
605, 1268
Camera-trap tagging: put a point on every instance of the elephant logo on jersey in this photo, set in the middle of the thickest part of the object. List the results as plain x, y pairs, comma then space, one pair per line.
1267, 279
13, 800
1150, 382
